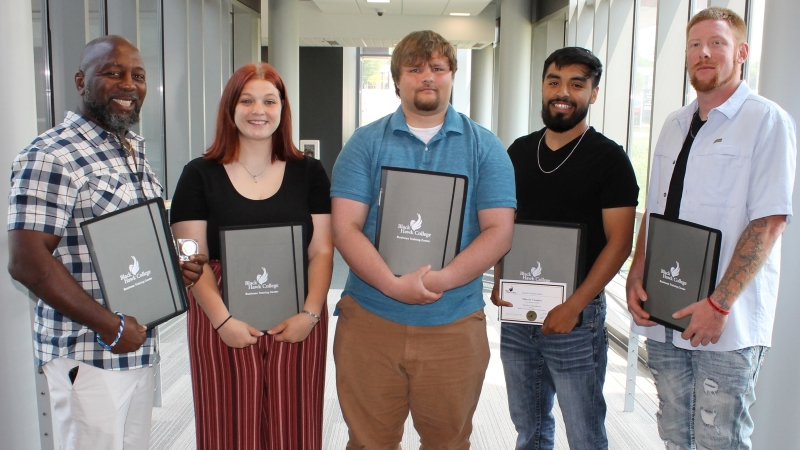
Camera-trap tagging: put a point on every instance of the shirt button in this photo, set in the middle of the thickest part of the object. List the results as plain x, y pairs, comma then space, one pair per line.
426, 149
665, 194
673, 162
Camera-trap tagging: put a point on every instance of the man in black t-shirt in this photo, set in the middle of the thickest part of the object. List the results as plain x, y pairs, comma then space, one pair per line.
568, 173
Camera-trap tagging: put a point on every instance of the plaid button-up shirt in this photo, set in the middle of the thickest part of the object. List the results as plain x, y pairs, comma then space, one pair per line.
71, 173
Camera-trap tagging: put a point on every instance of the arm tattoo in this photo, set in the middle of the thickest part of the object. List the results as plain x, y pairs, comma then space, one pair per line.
752, 250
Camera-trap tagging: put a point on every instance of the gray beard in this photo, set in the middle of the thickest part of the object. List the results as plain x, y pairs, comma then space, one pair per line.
116, 123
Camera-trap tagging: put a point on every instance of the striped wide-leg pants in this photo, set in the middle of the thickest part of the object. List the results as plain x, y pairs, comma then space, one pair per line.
267, 396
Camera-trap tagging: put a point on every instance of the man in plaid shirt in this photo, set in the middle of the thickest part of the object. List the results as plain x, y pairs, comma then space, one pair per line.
89, 165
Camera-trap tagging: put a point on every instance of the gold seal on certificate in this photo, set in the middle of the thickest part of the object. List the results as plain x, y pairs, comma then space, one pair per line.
532, 300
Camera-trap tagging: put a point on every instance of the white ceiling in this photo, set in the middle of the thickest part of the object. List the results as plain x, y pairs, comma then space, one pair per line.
355, 23
365, 42
404, 7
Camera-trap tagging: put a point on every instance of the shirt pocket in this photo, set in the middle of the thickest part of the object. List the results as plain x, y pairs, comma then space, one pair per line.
720, 177
151, 186
106, 193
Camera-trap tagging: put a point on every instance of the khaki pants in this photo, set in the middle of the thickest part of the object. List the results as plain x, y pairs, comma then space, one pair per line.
384, 370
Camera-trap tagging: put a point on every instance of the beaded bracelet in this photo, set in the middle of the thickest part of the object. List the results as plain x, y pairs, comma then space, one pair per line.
312, 315
717, 308
119, 333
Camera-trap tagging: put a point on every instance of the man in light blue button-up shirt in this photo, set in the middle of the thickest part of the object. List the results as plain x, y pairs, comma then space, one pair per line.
417, 343
726, 161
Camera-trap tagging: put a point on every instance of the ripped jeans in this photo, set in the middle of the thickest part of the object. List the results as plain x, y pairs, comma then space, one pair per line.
704, 396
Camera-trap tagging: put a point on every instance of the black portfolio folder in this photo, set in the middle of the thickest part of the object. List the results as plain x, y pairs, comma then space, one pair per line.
546, 252
420, 218
136, 262
680, 267
263, 272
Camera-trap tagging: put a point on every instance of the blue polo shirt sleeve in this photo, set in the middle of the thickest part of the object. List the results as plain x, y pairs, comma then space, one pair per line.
495, 186
352, 176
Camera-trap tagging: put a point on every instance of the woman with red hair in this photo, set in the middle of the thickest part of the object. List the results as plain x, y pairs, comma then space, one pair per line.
254, 390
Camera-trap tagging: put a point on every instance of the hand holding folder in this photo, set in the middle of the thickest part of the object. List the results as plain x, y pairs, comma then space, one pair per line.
680, 269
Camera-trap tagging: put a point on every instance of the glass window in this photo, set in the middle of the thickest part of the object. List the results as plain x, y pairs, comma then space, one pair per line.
44, 114
642, 92
151, 119
755, 34
376, 90
691, 94
70, 25
698, 5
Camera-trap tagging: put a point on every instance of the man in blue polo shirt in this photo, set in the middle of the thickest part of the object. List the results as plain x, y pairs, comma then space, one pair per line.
417, 343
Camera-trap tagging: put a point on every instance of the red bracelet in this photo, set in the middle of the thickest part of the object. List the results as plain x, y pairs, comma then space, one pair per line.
716, 307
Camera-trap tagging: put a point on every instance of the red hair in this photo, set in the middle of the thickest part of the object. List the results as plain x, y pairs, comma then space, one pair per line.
225, 148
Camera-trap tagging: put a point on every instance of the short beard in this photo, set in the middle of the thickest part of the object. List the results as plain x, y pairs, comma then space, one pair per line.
560, 122
710, 85
429, 106
114, 123
714, 83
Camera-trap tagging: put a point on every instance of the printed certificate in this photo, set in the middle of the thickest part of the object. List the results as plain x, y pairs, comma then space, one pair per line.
532, 300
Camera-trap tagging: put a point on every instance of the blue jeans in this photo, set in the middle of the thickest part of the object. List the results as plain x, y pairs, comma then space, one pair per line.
572, 366
704, 396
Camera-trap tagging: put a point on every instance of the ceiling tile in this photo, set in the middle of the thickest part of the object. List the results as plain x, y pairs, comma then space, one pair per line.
474, 7
424, 7
338, 6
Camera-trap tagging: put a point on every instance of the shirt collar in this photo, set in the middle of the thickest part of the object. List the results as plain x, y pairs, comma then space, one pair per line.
729, 108
735, 101
93, 132
451, 121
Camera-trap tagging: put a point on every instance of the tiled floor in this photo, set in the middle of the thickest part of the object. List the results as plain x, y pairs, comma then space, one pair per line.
173, 423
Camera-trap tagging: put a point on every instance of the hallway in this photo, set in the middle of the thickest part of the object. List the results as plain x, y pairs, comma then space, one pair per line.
173, 423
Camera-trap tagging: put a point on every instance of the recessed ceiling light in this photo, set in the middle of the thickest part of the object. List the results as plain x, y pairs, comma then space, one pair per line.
460, 14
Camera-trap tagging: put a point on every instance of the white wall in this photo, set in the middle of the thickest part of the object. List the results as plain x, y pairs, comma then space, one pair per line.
600, 49
461, 83
349, 93
284, 53
548, 36
514, 70
618, 72
482, 67
669, 72
18, 414
777, 409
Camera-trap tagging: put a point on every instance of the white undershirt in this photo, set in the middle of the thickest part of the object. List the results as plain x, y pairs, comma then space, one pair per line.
425, 134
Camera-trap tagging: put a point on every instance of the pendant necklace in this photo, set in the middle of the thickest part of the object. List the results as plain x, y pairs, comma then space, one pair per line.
538, 147
255, 177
